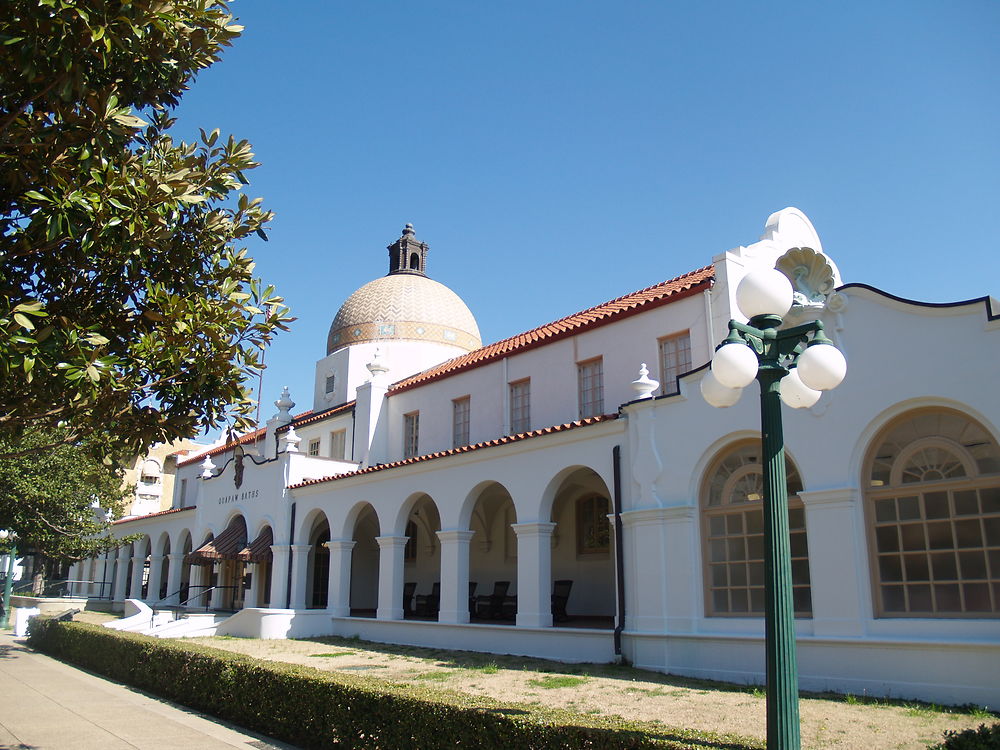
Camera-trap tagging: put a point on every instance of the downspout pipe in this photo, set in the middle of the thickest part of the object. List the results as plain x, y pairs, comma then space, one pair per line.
616, 459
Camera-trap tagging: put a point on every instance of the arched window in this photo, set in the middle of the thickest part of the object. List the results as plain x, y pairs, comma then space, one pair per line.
733, 529
932, 494
150, 472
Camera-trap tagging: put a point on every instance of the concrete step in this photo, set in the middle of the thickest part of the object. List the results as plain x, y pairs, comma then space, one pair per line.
189, 626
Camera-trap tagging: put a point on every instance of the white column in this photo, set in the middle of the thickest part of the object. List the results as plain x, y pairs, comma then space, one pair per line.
280, 560
108, 589
838, 571
195, 579
338, 598
534, 574
253, 593
75, 574
96, 571
218, 595
121, 574
390, 577
86, 574
138, 566
155, 577
90, 575
175, 567
454, 575
300, 574
200, 577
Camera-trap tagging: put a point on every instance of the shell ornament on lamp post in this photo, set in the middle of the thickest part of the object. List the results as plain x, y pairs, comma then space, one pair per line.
792, 365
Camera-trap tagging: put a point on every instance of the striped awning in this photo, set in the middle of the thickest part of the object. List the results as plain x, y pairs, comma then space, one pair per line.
259, 550
226, 546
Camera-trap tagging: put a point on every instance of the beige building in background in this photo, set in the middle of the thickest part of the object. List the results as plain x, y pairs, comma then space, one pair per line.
153, 474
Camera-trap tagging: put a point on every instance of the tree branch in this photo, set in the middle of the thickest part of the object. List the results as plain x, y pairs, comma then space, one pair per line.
27, 103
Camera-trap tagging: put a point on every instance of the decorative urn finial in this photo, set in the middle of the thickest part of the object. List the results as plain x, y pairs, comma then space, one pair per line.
285, 405
290, 441
643, 385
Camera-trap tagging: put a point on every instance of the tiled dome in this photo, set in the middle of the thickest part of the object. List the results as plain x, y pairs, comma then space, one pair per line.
404, 307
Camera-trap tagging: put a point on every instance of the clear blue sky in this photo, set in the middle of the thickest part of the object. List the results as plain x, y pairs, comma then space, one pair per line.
559, 154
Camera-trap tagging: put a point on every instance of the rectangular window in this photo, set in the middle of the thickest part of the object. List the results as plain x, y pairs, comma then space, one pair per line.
460, 409
675, 359
590, 382
314, 447
520, 406
411, 429
184, 489
331, 383
338, 444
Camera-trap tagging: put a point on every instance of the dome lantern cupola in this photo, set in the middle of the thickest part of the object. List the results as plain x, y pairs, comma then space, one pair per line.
406, 305
407, 254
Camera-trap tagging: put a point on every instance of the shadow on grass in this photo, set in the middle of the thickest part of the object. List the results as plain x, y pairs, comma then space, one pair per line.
474, 660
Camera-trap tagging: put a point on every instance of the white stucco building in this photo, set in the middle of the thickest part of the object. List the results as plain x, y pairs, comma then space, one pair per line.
432, 472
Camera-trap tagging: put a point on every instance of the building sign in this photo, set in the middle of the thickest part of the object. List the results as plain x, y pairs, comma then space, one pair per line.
239, 497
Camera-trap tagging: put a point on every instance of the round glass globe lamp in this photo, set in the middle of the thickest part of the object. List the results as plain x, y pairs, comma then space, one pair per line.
718, 395
764, 292
735, 365
797, 394
822, 367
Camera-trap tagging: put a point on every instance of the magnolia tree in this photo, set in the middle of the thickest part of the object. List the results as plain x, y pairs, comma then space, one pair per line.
58, 501
127, 305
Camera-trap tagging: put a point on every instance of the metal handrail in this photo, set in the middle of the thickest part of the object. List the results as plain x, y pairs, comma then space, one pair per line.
175, 593
208, 590
52, 587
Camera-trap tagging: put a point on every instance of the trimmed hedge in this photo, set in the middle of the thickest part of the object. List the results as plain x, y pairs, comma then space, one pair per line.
316, 709
983, 738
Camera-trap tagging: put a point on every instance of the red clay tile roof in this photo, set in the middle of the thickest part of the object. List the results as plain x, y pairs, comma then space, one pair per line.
152, 515
464, 449
310, 417
660, 294
250, 437
306, 417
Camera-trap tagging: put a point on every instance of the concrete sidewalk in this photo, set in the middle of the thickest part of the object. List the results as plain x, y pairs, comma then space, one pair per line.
48, 705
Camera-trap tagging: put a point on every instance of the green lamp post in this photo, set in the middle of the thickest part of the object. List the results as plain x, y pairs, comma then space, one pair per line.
792, 365
9, 581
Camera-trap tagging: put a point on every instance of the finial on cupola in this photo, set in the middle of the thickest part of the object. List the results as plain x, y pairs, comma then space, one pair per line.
407, 254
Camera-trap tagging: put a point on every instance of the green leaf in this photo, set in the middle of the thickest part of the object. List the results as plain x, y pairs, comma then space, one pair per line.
32, 308
24, 321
